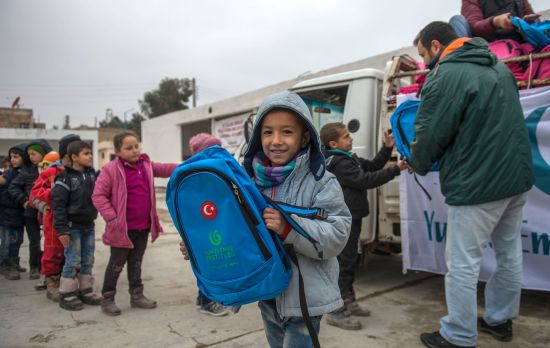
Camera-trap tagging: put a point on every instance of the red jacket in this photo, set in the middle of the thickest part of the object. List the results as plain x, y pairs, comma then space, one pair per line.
40, 191
481, 26
110, 196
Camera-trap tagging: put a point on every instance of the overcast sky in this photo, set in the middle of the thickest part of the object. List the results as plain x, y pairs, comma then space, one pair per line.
81, 57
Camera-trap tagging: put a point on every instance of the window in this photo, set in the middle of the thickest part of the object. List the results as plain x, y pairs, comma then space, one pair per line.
326, 105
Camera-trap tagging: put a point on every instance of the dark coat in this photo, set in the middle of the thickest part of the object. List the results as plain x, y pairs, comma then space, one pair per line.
11, 212
356, 175
72, 200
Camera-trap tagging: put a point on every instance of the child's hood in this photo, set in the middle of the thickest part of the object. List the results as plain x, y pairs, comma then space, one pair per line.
293, 102
21, 149
43, 143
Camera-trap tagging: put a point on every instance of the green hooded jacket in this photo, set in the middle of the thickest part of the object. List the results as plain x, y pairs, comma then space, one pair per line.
471, 121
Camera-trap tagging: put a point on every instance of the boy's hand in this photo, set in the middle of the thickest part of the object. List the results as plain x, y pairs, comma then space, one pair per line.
65, 239
184, 251
389, 140
274, 221
26, 204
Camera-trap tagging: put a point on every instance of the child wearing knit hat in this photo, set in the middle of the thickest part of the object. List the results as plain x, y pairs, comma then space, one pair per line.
201, 141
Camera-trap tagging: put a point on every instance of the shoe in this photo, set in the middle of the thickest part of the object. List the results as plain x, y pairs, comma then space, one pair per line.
13, 273
108, 305
52, 287
68, 295
435, 340
138, 300
213, 308
502, 332
41, 285
34, 273
86, 292
355, 309
342, 318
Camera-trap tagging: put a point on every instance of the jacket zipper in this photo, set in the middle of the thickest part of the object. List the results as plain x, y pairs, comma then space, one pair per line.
251, 221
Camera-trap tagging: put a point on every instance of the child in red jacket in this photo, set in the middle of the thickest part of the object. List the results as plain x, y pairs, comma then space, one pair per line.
52, 258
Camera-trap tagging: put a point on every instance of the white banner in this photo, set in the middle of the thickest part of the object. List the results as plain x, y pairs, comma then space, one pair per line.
230, 131
424, 222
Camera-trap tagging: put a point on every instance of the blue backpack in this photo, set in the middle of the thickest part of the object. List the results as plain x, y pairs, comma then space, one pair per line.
537, 34
402, 124
218, 210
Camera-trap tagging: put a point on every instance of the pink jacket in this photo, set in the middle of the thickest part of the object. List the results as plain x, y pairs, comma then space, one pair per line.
110, 195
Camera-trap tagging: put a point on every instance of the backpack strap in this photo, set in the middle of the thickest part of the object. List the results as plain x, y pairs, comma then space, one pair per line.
285, 210
281, 208
289, 248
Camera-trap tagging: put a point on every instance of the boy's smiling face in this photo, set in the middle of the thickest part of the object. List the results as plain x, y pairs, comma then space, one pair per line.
282, 136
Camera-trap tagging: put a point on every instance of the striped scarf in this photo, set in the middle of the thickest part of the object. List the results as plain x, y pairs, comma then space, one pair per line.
268, 176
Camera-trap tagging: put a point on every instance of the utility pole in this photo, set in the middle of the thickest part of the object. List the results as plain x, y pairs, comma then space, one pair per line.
194, 88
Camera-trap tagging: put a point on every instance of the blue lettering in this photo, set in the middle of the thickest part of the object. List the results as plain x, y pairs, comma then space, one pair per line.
429, 223
440, 236
537, 240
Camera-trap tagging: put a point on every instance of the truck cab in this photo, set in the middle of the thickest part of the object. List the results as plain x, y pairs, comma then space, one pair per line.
353, 98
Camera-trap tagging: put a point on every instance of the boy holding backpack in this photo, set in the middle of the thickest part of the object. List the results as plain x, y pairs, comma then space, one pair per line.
285, 162
355, 175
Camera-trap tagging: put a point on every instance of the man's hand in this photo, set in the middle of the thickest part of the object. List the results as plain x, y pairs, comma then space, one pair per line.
65, 239
184, 251
274, 221
402, 165
389, 140
503, 21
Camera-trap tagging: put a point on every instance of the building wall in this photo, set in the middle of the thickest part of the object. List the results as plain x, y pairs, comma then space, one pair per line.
17, 118
10, 137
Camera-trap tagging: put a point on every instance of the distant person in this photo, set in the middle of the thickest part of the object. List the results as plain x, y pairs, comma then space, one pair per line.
73, 220
490, 19
53, 256
471, 122
198, 143
12, 221
355, 175
125, 197
20, 189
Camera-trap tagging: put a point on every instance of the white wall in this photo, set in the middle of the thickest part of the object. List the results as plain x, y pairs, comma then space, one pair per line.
10, 137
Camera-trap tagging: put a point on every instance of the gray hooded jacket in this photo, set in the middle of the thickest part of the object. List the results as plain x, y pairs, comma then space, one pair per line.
309, 185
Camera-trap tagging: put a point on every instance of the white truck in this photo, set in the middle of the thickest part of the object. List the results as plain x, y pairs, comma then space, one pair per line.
364, 100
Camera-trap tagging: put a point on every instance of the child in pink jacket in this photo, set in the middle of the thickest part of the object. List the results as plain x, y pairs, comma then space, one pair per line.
124, 195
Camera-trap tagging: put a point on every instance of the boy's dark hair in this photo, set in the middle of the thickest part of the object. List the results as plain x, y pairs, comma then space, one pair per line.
76, 147
119, 138
331, 132
440, 31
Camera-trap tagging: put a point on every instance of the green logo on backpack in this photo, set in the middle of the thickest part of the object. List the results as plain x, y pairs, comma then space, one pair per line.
215, 238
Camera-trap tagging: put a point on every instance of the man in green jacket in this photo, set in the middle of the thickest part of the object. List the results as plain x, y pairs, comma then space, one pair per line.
470, 121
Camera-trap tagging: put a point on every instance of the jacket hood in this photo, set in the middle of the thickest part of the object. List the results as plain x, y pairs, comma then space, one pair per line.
473, 51
42, 143
292, 102
22, 150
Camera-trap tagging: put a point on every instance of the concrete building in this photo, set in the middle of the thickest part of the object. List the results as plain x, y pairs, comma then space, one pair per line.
18, 118
10, 137
165, 138
105, 148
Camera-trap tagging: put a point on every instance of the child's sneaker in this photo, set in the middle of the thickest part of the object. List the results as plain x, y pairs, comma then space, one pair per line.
502, 332
34, 273
213, 308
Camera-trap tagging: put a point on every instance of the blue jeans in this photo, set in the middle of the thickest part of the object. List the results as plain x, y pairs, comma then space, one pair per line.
5, 241
470, 229
16, 236
290, 332
80, 252
461, 26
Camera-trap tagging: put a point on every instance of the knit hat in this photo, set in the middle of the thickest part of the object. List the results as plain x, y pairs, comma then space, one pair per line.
37, 148
65, 141
201, 141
